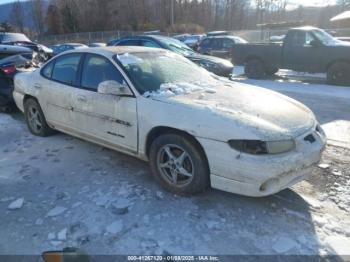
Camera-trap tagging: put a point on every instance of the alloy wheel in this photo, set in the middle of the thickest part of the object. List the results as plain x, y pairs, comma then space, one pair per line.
34, 119
175, 165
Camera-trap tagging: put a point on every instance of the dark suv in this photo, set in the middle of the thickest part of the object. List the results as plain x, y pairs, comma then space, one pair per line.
220, 46
216, 65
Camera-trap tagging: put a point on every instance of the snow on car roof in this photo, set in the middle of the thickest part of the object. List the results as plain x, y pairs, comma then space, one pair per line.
116, 50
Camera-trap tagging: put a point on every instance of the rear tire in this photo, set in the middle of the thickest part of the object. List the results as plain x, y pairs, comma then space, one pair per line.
339, 74
35, 118
178, 164
271, 71
255, 69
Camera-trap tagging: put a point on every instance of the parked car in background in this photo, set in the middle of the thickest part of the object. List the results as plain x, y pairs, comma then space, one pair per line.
304, 49
97, 44
195, 129
21, 40
220, 46
57, 49
193, 41
217, 33
216, 65
9, 50
182, 37
9, 66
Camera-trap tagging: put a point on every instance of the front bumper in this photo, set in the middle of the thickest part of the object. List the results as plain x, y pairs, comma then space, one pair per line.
261, 175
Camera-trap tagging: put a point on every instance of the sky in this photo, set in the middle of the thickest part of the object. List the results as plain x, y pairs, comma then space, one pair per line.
293, 3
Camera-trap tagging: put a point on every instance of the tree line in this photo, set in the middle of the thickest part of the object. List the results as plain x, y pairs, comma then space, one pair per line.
71, 16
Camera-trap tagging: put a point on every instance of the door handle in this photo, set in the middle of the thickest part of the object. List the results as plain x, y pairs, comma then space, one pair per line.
37, 86
81, 98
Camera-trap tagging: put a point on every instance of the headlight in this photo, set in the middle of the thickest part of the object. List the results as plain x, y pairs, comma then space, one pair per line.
258, 147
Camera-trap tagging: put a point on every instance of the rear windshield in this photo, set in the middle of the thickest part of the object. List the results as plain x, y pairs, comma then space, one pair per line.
13, 37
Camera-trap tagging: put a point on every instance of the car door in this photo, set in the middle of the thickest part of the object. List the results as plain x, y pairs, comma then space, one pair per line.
56, 84
106, 118
223, 48
205, 46
299, 54
216, 47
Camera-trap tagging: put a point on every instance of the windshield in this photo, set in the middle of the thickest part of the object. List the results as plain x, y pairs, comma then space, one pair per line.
13, 37
240, 40
149, 70
326, 38
177, 46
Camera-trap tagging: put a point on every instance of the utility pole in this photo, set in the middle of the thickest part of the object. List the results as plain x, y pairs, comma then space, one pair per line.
172, 7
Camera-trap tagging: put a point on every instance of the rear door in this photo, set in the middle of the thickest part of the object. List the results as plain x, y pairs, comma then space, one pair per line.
107, 118
223, 48
58, 81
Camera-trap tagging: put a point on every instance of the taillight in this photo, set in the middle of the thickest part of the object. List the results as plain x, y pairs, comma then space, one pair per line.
8, 70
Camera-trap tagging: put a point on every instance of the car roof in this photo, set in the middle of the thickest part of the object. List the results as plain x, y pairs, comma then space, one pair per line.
116, 50
305, 28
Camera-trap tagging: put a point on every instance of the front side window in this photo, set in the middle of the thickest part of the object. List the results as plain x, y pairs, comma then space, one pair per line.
66, 68
300, 38
148, 43
96, 70
47, 70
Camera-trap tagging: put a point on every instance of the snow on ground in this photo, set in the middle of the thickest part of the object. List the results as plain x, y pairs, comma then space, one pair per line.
60, 191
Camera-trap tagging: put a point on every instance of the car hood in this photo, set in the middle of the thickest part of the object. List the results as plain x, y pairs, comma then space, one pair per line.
254, 112
213, 59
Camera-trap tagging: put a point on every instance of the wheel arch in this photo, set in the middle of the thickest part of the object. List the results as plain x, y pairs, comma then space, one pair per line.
333, 62
252, 57
162, 130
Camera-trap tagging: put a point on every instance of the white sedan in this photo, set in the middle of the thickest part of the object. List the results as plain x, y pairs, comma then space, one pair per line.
194, 128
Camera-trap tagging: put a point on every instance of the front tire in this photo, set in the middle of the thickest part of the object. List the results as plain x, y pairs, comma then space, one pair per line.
255, 69
178, 164
339, 74
35, 118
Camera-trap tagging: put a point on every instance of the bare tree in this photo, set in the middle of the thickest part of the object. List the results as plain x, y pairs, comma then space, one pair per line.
17, 16
38, 14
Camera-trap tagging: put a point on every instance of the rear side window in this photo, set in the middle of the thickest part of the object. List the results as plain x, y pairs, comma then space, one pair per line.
205, 43
130, 42
47, 70
98, 69
227, 43
217, 43
66, 68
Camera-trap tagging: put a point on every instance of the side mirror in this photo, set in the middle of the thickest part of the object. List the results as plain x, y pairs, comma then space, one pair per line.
112, 87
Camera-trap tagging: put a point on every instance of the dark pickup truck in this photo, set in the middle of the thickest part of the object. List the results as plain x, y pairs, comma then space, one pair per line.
304, 49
